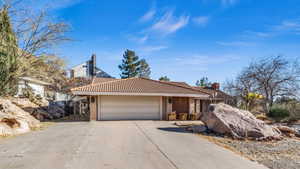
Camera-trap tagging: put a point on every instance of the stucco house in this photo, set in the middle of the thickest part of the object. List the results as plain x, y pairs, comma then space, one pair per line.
37, 86
140, 99
88, 69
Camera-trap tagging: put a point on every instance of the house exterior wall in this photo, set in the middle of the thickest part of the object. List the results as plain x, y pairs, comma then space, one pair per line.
80, 70
62, 97
36, 88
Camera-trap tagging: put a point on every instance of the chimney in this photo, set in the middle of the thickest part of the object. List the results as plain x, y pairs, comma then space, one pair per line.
215, 86
93, 65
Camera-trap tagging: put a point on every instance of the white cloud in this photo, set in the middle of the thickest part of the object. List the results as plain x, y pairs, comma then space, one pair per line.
149, 49
204, 61
236, 43
201, 20
289, 26
169, 23
138, 39
148, 16
284, 27
255, 34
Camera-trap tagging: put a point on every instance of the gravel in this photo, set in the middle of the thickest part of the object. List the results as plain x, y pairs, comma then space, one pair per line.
284, 154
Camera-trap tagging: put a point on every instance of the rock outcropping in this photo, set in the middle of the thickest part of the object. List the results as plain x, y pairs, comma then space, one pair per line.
240, 124
14, 120
42, 111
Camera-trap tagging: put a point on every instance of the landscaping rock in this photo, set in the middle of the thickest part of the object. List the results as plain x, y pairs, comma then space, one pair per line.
290, 132
240, 124
14, 120
42, 111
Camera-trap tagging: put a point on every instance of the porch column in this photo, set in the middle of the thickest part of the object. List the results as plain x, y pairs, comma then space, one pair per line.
191, 105
93, 107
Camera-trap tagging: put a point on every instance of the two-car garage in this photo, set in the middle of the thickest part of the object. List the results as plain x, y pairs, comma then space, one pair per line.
129, 108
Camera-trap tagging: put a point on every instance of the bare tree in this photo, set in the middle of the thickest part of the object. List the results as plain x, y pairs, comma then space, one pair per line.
240, 88
37, 33
272, 77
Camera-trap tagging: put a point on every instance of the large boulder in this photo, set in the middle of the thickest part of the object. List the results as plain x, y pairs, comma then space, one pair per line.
37, 111
224, 119
14, 120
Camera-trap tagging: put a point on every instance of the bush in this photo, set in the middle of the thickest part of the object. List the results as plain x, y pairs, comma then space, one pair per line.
278, 113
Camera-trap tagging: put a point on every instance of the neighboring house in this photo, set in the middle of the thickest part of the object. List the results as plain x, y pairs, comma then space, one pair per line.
61, 95
88, 69
139, 99
215, 95
37, 86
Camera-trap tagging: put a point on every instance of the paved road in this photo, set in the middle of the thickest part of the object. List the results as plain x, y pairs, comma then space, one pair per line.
116, 145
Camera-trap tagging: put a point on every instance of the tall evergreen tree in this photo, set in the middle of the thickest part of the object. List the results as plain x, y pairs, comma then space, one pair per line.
203, 82
8, 55
164, 78
130, 65
144, 69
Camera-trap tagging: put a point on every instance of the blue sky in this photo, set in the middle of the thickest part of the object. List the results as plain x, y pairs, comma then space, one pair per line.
182, 39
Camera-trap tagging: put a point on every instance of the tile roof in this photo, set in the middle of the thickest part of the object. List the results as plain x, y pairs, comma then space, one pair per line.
182, 84
214, 93
102, 79
135, 85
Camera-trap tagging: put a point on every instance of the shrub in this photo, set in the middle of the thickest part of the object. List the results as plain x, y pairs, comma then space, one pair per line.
278, 113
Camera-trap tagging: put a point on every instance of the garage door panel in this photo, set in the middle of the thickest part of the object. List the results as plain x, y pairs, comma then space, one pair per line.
129, 108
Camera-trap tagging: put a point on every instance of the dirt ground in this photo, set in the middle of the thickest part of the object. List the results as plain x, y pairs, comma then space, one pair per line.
284, 154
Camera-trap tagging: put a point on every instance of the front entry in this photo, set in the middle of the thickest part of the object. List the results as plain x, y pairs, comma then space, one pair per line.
180, 104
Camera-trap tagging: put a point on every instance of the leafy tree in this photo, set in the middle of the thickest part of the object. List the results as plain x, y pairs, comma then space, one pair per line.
130, 65
8, 55
203, 82
164, 78
144, 69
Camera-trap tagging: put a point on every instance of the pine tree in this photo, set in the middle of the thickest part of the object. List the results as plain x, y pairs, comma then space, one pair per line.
164, 78
144, 69
130, 65
8, 55
203, 82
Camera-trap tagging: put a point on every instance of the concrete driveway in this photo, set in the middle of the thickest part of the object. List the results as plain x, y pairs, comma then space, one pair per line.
116, 145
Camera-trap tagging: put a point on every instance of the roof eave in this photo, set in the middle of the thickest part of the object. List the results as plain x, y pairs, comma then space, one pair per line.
138, 94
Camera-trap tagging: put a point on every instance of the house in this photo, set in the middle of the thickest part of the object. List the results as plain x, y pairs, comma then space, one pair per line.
37, 86
88, 69
141, 99
215, 95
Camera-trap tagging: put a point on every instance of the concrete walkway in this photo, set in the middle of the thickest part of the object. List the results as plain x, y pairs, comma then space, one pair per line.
116, 145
